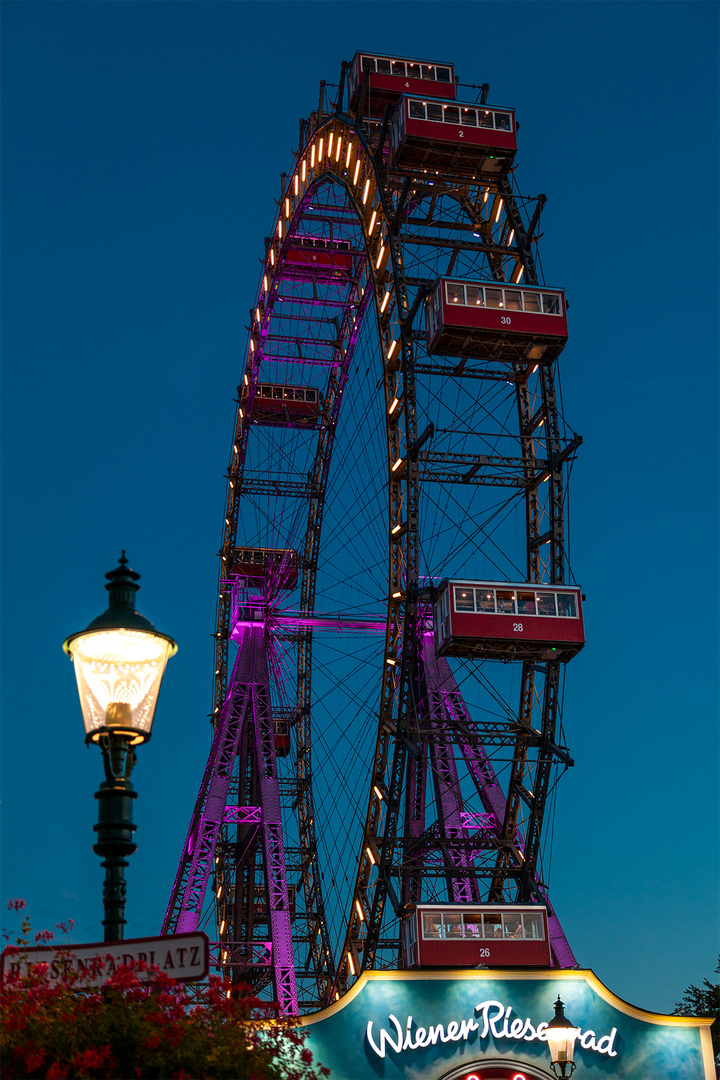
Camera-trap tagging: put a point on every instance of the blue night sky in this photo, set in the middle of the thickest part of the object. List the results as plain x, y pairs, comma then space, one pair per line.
143, 144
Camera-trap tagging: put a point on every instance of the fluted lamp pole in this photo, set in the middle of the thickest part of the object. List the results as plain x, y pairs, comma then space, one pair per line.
561, 1035
119, 663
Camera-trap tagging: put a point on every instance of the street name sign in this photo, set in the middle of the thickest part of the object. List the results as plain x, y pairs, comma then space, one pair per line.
184, 957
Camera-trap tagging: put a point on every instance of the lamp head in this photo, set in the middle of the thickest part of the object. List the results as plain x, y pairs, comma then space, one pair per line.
119, 663
561, 1035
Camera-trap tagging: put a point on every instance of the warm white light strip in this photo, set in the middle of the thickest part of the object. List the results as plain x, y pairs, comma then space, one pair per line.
357, 170
348, 156
380, 257
397, 464
373, 219
385, 300
370, 855
304, 169
330, 143
361, 913
378, 792
312, 156
499, 211
351, 965
366, 191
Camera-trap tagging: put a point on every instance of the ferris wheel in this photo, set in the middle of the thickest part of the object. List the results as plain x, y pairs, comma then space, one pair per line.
395, 610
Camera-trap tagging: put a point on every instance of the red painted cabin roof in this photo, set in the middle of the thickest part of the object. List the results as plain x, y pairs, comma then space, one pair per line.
502, 620
457, 137
464, 935
388, 77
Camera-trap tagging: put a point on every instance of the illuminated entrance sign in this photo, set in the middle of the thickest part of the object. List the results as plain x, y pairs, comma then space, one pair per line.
491, 1024
493, 1018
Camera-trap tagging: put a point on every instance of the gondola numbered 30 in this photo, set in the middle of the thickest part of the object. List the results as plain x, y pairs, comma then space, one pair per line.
467, 935
506, 322
506, 621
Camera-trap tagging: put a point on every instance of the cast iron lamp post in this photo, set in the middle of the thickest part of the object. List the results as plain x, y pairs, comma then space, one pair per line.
561, 1035
119, 662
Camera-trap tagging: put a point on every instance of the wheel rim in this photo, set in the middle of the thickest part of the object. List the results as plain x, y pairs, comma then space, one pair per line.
307, 489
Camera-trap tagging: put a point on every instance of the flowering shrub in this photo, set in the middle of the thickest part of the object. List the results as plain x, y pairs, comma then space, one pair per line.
62, 1029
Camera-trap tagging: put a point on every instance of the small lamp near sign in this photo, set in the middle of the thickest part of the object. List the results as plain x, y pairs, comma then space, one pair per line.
119, 663
561, 1035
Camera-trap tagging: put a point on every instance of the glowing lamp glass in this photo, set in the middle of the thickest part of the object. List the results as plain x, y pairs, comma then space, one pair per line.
562, 1043
118, 674
561, 1035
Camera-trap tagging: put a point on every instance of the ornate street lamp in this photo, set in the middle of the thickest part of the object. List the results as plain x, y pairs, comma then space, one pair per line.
119, 662
561, 1036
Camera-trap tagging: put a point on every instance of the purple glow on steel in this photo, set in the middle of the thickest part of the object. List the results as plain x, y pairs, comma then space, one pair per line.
328, 622
448, 795
415, 806
271, 829
240, 954
193, 873
247, 701
471, 820
493, 799
242, 815
292, 620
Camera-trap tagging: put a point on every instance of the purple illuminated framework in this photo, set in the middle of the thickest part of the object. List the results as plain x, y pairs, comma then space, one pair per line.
242, 954
454, 842
481, 832
246, 713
